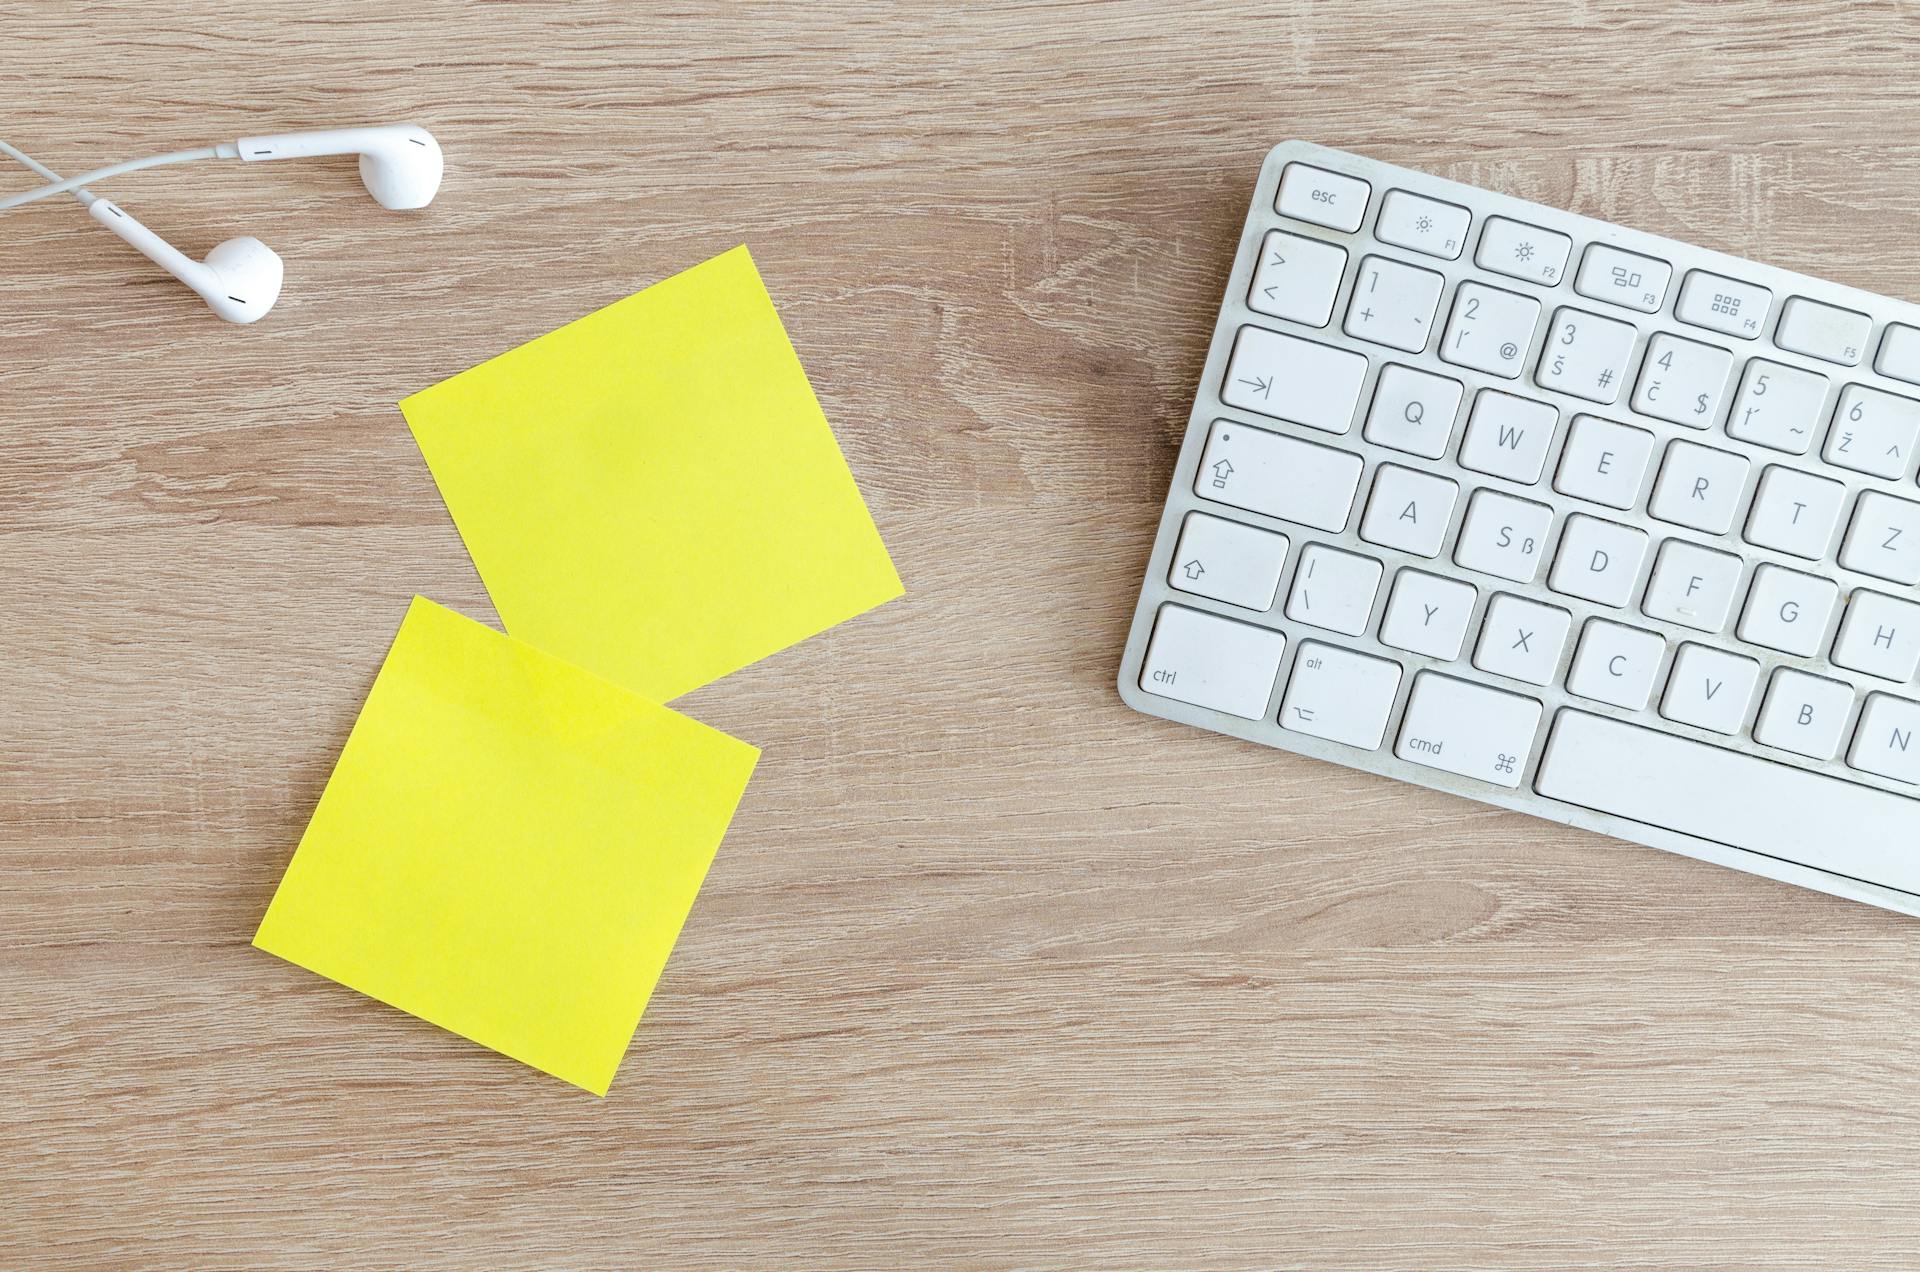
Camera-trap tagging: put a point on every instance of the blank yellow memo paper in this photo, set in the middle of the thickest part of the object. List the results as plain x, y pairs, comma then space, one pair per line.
508, 847
652, 492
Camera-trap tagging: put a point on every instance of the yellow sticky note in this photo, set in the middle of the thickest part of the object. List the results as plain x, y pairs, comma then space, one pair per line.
508, 847
652, 492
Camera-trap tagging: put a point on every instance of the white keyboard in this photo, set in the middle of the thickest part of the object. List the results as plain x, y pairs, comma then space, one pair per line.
1555, 515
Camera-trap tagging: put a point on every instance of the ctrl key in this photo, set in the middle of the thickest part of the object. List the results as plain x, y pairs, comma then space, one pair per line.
1468, 729
1212, 662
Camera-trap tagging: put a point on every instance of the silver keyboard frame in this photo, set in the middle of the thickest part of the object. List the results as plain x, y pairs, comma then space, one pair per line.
1208, 407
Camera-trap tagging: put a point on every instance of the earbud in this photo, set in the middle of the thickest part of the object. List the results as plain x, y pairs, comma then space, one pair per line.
239, 280
401, 164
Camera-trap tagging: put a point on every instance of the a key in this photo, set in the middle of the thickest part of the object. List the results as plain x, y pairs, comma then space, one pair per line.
1731, 797
1340, 695
1723, 304
1585, 355
1413, 411
1427, 614
1332, 199
1212, 662
1597, 560
1604, 462
1615, 664
1422, 224
1228, 561
1519, 250
1408, 510
1794, 512
1522, 639
1692, 586
1787, 610
1884, 539
1291, 379
1699, 487
1467, 729
1879, 635
1393, 304
1822, 331
1297, 278
1778, 406
1508, 436
1490, 330
1899, 356
1883, 741
1710, 688
1503, 536
1279, 476
1682, 381
1804, 714
1873, 432
1625, 278
1334, 590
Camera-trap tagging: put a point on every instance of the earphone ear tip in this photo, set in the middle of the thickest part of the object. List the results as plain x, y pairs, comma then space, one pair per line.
406, 175
249, 275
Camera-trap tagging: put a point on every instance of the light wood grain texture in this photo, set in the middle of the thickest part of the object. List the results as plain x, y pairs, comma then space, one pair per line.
991, 971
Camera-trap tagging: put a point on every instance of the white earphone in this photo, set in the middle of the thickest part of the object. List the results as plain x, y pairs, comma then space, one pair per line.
400, 164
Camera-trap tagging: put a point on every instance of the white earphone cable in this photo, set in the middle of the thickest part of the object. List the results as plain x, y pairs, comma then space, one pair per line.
28, 161
226, 151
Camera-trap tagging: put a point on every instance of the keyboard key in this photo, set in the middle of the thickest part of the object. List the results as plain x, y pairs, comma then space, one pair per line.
1794, 512
1710, 688
1625, 278
1823, 331
1598, 560
1727, 797
1699, 487
1508, 436
1228, 561
1490, 329
1393, 304
1884, 539
1292, 379
1778, 406
1804, 714
1334, 590
1873, 432
1682, 381
1899, 353
1585, 355
1427, 614
1297, 278
1278, 476
1787, 610
1467, 729
1692, 586
1408, 510
1723, 304
1413, 411
1212, 662
1879, 635
1503, 536
1340, 695
1324, 198
1883, 740
1604, 462
1519, 250
1423, 224
1615, 664
1522, 639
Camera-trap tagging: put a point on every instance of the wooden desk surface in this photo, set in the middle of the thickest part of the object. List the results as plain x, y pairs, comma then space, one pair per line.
991, 972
